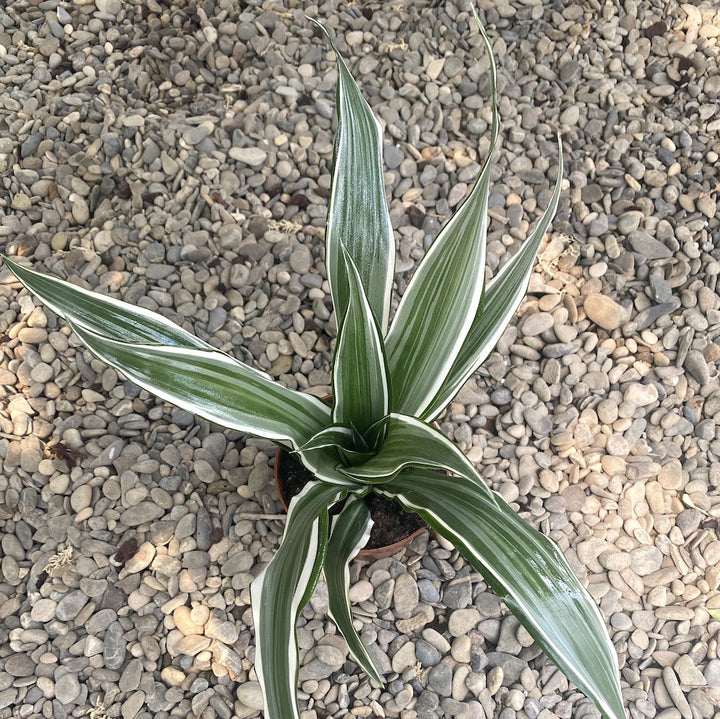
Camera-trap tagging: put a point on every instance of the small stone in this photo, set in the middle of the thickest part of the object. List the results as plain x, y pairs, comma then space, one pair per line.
19, 665
172, 676
641, 395
440, 679
645, 560
195, 135
185, 623
569, 71
43, 610
252, 156
672, 686
661, 289
301, 260
115, 646
494, 680
536, 323
688, 673
458, 593
648, 247
617, 445
707, 205
697, 366
67, 686
70, 605
142, 558
250, 695
461, 621
330, 655
193, 644
81, 497
629, 221
226, 632
130, 678
21, 202
141, 513
426, 653
671, 475
603, 311
360, 591
132, 705
405, 596
405, 657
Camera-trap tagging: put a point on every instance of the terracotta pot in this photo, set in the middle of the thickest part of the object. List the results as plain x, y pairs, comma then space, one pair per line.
364, 554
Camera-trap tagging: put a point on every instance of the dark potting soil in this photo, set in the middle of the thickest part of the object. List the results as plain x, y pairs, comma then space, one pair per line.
391, 522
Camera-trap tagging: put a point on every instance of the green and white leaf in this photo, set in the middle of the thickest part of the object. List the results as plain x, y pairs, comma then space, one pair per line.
440, 303
360, 382
332, 436
350, 533
215, 386
357, 215
103, 315
326, 463
279, 593
503, 295
410, 442
528, 571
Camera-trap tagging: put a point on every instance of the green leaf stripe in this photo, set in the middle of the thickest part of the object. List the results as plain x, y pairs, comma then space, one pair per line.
103, 315
503, 295
215, 386
528, 571
350, 533
360, 382
357, 215
279, 593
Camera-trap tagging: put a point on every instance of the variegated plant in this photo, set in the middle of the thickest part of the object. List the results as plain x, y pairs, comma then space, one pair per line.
389, 382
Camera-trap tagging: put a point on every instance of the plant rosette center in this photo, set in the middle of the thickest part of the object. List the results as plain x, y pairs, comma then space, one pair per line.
393, 528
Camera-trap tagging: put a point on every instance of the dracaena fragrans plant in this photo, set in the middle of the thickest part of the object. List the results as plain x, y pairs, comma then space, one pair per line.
390, 381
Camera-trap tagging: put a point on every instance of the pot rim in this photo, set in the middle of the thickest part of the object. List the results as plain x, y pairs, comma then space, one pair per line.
370, 554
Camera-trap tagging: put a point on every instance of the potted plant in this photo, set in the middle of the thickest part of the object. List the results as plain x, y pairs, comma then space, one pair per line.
390, 381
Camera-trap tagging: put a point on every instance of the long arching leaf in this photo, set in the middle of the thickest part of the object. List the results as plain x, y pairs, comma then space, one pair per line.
280, 592
358, 216
350, 532
215, 386
101, 314
503, 295
360, 382
528, 571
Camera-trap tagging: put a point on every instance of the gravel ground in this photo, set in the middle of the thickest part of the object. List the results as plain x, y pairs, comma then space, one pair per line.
177, 155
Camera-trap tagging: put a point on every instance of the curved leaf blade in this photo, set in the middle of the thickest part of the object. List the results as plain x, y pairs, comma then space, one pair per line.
360, 382
440, 303
412, 443
503, 295
101, 314
528, 571
215, 386
332, 436
281, 590
350, 533
358, 216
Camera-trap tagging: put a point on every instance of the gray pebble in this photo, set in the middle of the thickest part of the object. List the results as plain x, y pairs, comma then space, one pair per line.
426, 653
115, 645
440, 679
70, 605
19, 665
458, 593
67, 686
